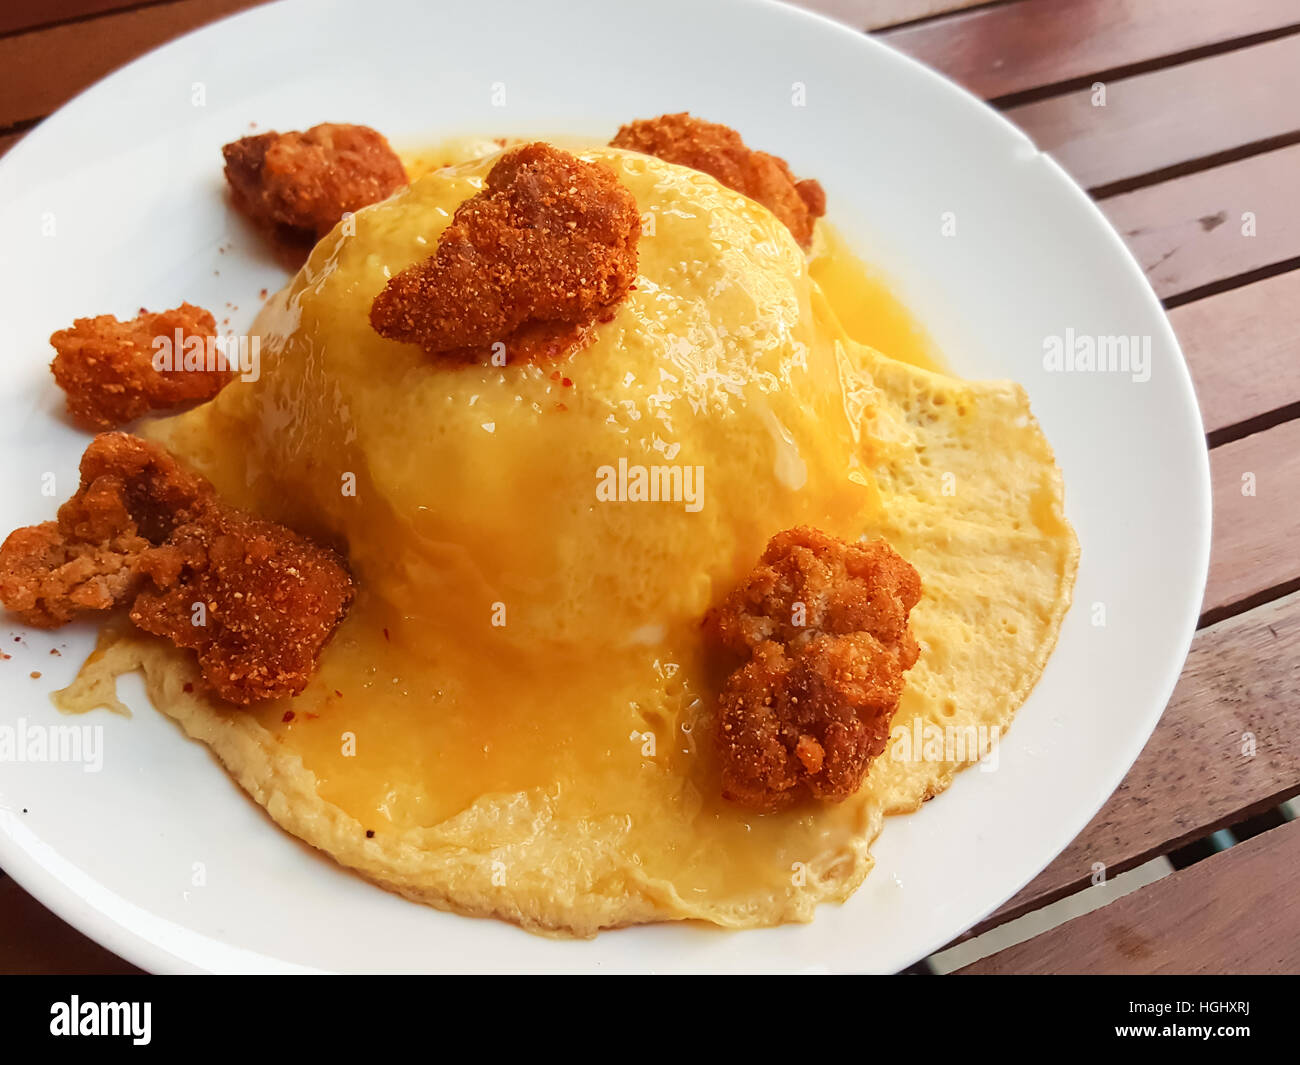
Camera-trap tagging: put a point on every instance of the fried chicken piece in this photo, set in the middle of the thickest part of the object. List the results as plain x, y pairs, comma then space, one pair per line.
807, 721
718, 150
807, 583
143, 527
107, 368
824, 624
533, 261
271, 600
132, 494
47, 579
296, 186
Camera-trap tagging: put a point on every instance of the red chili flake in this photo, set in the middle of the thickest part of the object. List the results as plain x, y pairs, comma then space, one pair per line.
631, 288
56, 651
187, 687
370, 833
262, 293
309, 715
338, 693
288, 716
555, 375
566, 382
385, 635
5, 655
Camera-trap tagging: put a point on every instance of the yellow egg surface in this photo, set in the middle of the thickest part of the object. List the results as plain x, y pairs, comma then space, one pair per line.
514, 719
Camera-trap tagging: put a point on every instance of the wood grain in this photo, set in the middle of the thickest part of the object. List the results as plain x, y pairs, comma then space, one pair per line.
1234, 912
1241, 680
17, 15
1256, 536
41, 70
1243, 348
8, 140
1157, 121
874, 14
34, 941
1188, 232
997, 51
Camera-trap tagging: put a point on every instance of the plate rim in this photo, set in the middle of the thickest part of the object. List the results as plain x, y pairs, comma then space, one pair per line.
82, 914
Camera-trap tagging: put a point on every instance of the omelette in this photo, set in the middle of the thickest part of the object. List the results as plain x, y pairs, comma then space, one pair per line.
514, 718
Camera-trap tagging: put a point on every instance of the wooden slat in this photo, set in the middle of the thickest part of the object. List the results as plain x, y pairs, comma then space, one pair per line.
1256, 537
1001, 50
33, 940
1188, 232
18, 15
1242, 677
1157, 121
41, 70
1234, 912
8, 140
1243, 348
874, 14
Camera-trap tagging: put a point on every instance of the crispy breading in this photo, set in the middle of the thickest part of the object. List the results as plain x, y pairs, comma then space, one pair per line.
255, 600
143, 527
807, 583
807, 721
824, 624
296, 186
106, 367
533, 261
132, 494
47, 579
719, 150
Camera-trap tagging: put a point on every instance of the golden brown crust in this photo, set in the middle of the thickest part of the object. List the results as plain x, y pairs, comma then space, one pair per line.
296, 186
143, 527
533, 261
255, 600
106, 367
131, 496
824, 625
719, 150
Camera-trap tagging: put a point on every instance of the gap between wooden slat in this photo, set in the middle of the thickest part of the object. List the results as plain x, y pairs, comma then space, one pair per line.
27, 16
1180, 117
1243, 349
1216, 224
1045, 45
39, 71
1256, 517
1250, 600
1234, 912
1191, 166
876, 14
1192, 778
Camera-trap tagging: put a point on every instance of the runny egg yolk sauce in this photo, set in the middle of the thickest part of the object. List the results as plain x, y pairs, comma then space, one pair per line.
863, 298
513, 719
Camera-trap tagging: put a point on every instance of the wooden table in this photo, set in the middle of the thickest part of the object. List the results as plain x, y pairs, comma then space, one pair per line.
1201, 124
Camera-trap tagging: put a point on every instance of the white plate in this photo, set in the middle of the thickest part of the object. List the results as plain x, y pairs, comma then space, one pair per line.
128, 178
